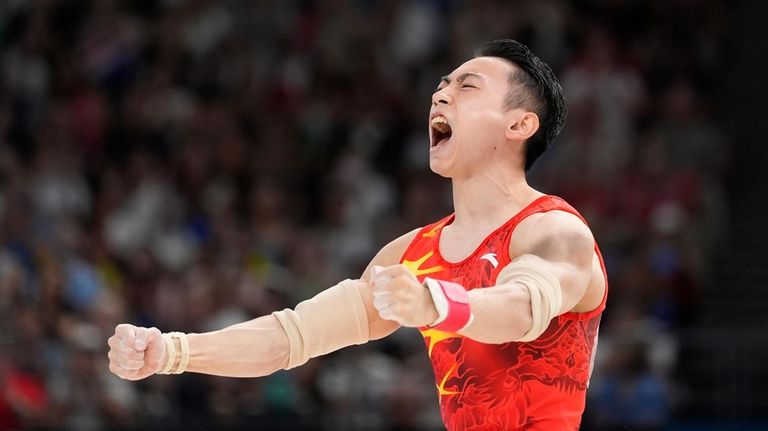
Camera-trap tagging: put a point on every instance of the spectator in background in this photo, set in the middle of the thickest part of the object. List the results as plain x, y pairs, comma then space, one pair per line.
628, 396
128, 135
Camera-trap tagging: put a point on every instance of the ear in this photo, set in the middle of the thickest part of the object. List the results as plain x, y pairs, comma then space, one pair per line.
523, 126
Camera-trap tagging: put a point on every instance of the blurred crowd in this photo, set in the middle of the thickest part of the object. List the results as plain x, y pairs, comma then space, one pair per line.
189, 164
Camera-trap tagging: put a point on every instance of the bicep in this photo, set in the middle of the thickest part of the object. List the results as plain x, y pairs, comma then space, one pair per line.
564, 245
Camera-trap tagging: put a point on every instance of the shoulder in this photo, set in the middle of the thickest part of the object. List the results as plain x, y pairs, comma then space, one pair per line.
391, 253
398, 246
552, 233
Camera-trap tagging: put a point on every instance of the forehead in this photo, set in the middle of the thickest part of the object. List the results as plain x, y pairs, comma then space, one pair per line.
493, 69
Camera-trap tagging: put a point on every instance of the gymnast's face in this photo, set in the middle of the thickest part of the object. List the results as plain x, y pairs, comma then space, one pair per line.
468, 121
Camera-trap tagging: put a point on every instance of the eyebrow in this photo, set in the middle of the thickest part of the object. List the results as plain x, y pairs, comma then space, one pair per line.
461, 77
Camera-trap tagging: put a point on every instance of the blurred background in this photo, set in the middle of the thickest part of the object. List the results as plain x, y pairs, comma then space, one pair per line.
189, 164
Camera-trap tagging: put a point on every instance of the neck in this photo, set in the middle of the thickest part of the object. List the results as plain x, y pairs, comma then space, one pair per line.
490, 198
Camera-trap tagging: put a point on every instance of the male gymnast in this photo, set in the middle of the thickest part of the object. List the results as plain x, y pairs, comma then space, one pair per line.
507, 291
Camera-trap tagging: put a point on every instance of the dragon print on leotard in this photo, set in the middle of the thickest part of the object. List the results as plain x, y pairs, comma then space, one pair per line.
533, 385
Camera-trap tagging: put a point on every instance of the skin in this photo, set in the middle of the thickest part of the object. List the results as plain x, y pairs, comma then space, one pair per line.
484, 160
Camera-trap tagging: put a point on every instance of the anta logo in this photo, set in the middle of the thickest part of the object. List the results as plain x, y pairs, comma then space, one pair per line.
491, 257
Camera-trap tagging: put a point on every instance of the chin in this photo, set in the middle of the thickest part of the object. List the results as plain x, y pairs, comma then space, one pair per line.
439, 168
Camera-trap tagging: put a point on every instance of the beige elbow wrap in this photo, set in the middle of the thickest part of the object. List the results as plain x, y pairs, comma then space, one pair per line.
543, 287
333, 319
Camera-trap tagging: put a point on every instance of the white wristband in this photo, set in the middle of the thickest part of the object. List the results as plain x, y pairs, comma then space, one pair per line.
452, 304
438, 298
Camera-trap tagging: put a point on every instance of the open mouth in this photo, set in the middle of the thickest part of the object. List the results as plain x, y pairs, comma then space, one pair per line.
441, 131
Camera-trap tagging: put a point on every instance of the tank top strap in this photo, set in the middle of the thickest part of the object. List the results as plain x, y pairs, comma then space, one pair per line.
425, 237
548, 203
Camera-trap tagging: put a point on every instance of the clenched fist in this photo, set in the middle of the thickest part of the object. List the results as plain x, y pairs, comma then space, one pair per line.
135, 353
399, 296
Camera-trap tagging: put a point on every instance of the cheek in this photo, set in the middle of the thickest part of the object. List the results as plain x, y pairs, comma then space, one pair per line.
483, 125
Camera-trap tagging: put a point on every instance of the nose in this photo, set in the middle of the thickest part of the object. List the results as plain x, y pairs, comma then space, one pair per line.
440, 97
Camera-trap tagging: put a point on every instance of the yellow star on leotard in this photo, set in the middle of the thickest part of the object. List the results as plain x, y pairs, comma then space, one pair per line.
432, 232
414, 266
441, 387
435, 337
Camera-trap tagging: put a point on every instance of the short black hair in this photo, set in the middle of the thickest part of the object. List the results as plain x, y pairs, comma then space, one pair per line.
534, 86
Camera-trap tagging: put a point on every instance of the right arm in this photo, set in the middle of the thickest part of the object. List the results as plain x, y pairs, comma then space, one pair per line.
389, 255
263, 345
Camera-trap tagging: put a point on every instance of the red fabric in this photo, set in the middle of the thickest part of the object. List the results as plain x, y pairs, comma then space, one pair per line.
539, 385
458, 307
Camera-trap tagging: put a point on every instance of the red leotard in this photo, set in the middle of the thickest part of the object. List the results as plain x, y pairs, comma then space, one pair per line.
539, 385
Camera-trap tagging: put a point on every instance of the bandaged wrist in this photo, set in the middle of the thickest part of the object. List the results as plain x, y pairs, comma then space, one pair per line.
543, 288
333, 319
452, 304
176, 361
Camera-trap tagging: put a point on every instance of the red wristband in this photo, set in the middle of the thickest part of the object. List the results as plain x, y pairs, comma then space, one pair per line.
458, 313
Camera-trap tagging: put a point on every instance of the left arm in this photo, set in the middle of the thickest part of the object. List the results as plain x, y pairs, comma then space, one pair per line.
555, 252
549, 277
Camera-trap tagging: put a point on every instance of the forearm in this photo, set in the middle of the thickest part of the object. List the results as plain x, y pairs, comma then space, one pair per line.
520, 307
333, 319
250, 349
500, 314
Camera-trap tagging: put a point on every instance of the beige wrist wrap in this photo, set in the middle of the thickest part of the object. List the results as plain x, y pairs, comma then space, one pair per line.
176, 361
543, 287
333, 319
